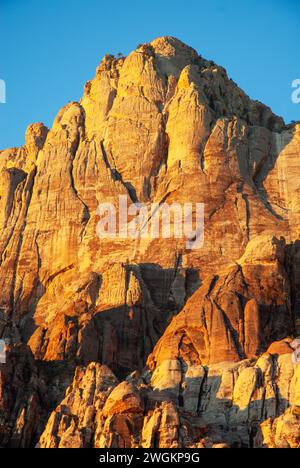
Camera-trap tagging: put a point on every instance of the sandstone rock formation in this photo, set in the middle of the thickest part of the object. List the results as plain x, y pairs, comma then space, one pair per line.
147, 342
181, 406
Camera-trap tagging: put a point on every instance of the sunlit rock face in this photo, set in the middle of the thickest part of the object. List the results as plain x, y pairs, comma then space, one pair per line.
203, 334
181, 406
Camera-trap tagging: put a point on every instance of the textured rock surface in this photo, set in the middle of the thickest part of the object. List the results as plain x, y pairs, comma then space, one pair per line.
161, 125
20, 399
181, 405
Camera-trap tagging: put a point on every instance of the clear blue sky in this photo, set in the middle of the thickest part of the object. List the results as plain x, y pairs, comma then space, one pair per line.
50, 48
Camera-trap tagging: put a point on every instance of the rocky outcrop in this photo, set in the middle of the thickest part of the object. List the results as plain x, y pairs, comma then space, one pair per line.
163, 125
247, 404
282, 432
234, 315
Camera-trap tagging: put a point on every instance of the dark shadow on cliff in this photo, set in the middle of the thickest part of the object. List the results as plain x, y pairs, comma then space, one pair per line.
128, 333
264, 169
123, 336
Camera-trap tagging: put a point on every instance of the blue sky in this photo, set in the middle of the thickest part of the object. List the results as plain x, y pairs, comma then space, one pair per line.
50, 48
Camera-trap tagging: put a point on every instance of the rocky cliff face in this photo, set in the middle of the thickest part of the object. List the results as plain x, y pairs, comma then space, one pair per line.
145, 342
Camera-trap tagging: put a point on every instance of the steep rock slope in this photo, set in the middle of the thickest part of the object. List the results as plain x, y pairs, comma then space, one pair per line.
161, 125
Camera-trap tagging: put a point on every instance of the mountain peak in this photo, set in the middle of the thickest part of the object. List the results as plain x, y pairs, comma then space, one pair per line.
168, 45
134, 337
